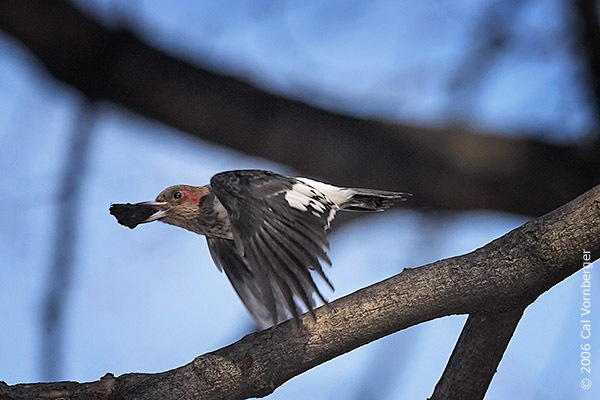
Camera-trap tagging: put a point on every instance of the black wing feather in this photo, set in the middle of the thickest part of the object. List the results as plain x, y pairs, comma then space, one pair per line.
277, 245
245, 283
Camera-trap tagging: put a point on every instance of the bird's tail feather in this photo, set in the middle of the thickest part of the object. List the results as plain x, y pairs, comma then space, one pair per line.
372, 200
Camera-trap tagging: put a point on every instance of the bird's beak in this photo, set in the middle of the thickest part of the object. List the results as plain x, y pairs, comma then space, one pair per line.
162, 208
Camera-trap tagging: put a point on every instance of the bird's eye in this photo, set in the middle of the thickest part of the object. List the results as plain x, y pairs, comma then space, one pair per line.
177, 195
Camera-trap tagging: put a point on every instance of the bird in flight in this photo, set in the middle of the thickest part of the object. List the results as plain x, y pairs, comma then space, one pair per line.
266, 231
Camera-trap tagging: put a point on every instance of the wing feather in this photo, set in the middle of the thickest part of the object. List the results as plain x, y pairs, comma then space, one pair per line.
279, 230
274, 285
291, 262
301, 237
246, 284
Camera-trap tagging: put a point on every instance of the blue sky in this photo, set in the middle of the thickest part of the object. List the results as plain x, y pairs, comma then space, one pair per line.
150, 299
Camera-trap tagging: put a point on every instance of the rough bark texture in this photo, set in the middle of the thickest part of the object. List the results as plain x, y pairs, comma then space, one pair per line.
508, 273
449, 168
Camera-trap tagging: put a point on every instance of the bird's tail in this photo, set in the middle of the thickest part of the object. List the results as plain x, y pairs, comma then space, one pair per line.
372, 200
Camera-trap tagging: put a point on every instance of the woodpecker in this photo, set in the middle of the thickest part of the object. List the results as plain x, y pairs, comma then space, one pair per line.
266, 231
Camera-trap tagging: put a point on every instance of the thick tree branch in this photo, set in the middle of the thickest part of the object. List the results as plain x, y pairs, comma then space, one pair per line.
449, 168
477, 354
510, 272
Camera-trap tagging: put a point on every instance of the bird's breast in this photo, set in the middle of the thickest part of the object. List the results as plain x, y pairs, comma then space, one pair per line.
214, 221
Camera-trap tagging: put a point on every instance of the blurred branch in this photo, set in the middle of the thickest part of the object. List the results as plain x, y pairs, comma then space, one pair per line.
59, 280
448, 168
490, 35
477, 354
586, 12
506, 274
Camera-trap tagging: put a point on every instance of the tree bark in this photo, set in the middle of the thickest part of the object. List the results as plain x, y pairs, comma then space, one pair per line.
507, 274
448, 168
477, 354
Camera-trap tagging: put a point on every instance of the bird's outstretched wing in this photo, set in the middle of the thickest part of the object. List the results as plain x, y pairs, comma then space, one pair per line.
226, 258
278, 226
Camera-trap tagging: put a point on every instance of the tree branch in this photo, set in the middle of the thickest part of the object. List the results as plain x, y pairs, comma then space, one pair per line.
449, 168
477, 354
65, 241
508, 273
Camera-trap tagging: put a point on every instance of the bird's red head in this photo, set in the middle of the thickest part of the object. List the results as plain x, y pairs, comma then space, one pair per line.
182, 194
178, 205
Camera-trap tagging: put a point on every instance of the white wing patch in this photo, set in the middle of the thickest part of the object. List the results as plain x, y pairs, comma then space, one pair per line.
307, 195
336, 194
296, 200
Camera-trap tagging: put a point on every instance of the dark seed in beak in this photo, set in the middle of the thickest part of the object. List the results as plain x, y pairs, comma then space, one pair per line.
131, 215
